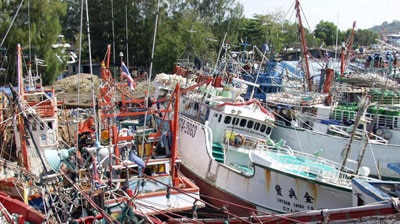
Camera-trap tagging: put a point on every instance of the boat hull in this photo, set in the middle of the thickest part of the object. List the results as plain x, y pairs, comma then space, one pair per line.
310, 142
268, 188
218, 197
373, 191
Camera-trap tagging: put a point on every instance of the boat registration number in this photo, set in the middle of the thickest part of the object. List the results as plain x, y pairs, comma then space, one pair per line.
188, 128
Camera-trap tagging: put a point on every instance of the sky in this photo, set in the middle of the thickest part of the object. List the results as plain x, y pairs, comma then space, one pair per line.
366, 13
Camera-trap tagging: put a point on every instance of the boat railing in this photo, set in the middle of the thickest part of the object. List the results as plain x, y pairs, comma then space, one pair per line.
383, 116
346, 131
310, 166
320, 170
315, 158
195, 108
281, 149
373, 138
236, 139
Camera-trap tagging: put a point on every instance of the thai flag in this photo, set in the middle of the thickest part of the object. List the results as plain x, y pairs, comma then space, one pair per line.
125, 74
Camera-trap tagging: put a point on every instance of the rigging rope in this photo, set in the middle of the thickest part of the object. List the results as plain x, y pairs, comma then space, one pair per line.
91, 202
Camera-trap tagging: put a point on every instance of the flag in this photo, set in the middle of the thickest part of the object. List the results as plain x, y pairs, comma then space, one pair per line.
125, 74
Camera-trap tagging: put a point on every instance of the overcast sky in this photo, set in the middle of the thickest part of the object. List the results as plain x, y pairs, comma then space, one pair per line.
343, 13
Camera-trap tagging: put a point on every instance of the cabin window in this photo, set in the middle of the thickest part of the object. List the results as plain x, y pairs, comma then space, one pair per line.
235, 121
243, 123
219, 118
256, 126
41, 126
227, 119
250, 124
50, 125
34, 126
263, 126
268, 130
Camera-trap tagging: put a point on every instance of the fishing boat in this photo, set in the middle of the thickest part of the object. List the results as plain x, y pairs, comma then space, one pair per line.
13, 210
30, 127
375, 191
319, 115
134, 152
324, 119
115, 173
319, 127
224, 140
33, 153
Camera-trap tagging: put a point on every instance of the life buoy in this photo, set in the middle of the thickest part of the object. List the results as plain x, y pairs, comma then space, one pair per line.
239, 140
387, 135
379, 132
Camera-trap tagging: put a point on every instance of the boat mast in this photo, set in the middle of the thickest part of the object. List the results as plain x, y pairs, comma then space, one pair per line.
258, 73
91, 75
147, 93
153, 47
175, 128
347, 48
21, 90
21, 124
304, 47
126, 35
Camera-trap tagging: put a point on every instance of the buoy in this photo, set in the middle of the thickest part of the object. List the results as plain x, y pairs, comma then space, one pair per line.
387, 135
379, 132
364, 171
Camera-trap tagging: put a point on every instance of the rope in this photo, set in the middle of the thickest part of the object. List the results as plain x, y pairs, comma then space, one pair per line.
325, 215
91, 202
395, 203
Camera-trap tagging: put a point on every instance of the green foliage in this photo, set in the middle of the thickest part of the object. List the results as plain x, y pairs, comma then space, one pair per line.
190, 29
36, 27
365, 37
326, 32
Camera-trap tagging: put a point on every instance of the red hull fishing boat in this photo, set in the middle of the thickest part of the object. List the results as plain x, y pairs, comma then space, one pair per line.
133, 141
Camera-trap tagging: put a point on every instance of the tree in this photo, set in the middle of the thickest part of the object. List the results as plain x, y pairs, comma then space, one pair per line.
35, 31
365, 37
326, 32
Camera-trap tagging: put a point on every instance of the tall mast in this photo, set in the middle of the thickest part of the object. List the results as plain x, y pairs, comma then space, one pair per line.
304, 47
346, 48
21, 124
94, 102
126, 35
19, 71
175, 127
